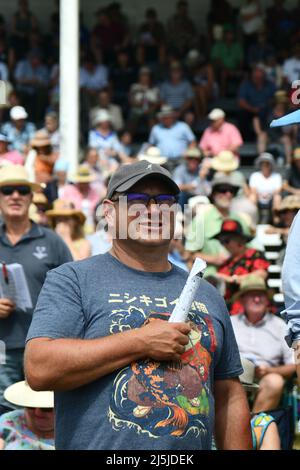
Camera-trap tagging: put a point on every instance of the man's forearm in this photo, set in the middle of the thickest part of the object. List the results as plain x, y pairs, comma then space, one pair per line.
65, 364
285, 371
232, 421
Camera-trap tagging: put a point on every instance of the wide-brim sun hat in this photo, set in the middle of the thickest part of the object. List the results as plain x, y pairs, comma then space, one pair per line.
16, 175
102, 116
83, 175
252, 283
63, 208
291, 202
193, 153
224, 180
226, 161
153, 155
165, 111
40, 139
265, 157
20, 394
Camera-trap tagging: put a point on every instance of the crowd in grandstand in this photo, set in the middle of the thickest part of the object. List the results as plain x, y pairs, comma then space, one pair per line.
190, 102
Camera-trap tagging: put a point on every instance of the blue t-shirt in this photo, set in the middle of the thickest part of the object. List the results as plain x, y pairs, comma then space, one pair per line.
257, 97
147, 404
172, 141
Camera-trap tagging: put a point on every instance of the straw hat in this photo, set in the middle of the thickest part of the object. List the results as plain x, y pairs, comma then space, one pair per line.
153, 155
40, 139
83, 175
225, 162
63, 208
291, 202
296, 153
21, 394
193, 153
247, 377
40, 198
281, 97
16, 175
251, 283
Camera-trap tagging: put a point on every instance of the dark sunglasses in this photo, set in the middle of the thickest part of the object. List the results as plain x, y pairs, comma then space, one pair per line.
9, 190
44, 410
225, 189
159, 199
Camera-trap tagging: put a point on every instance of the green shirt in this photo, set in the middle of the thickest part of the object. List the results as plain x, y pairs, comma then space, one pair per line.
230, 56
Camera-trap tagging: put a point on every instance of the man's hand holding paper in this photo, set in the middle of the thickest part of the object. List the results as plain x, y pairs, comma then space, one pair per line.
6, 308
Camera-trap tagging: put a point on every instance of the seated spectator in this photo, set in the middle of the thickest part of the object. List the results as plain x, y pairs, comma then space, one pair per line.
30, 427
151, 39
68, 223
171, 136
281, 139
205, 86
251, 20
126, 141
265, 186
242, 261
122, 76
9, 156
100, 239
291, 66
23, 23
106, 142
52, 128
291, 183
41, 205
191, 175
220, 135
152, 155
114, 110
82, 194
260, 337
144, 100
18, 131
220, 13
254, 100
177, 92
260, 50
40, 163
227, 56
32, 80
208, 221
181, 30
56, 188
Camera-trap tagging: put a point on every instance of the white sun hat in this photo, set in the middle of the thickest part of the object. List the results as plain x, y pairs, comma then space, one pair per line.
21, 394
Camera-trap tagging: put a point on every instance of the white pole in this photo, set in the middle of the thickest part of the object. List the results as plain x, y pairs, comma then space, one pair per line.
69, 82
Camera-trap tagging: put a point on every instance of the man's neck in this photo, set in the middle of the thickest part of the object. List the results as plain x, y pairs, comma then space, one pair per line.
15, 228
255, 318
223, 211
149, 259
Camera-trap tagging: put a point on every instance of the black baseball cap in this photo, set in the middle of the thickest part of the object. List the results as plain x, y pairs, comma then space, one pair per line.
128, 175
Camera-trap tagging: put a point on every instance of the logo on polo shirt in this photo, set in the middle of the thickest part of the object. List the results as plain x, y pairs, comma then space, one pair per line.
149, 167
40, 252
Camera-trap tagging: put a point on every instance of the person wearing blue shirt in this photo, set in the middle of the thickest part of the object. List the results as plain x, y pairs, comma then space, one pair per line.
171, 136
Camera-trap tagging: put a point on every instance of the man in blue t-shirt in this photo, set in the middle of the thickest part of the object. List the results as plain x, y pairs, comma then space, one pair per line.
124, 377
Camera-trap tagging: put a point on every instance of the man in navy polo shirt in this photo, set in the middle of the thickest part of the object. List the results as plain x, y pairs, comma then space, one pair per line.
37, 249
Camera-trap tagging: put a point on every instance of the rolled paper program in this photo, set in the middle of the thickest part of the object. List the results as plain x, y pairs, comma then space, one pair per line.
187, 296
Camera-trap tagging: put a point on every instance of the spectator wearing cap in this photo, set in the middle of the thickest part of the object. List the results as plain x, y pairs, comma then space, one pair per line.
68, 223
220, 135
243, 260
208, 221
114, 110
191, 176
265, 186
144, 100
291, 182
9, 156
177, 92
19, 131
105, 140
31, 426
171, 136
181, 30
32, 79
254, 100
260, 337
37, 249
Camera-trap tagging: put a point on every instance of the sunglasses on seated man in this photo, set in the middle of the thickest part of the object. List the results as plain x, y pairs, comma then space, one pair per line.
9, 190
143, 198
225, 189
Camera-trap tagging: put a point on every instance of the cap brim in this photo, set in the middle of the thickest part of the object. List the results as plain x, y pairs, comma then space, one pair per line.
135, 179
287, 120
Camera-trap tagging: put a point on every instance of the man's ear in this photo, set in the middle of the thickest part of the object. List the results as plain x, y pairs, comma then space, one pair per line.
109, 212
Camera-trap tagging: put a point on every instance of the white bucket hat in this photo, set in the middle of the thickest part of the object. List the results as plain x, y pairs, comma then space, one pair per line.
216, 114
102, 116
17, 113
21, 394
153, 155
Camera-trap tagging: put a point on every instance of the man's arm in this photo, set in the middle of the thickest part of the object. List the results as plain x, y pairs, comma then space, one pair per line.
66, 364
286, 371
232, 422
